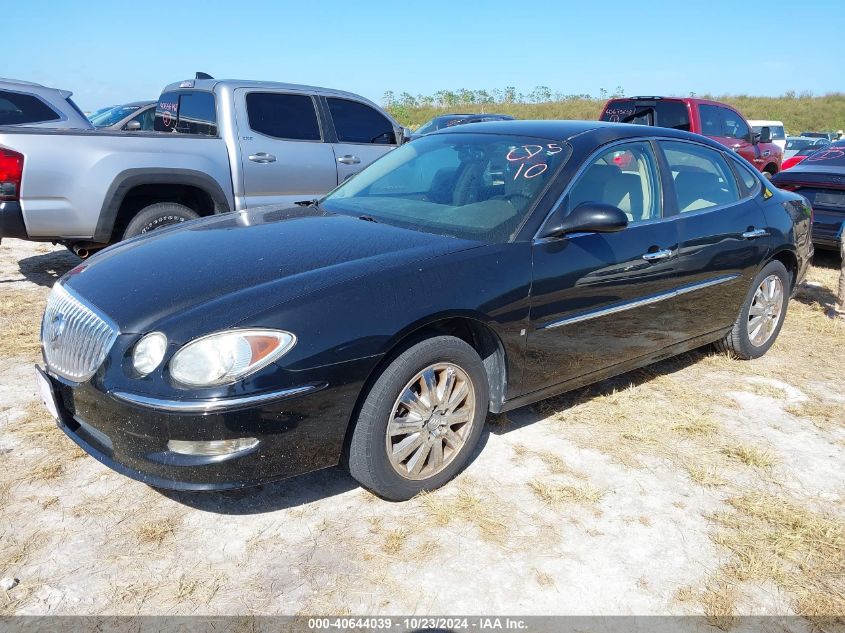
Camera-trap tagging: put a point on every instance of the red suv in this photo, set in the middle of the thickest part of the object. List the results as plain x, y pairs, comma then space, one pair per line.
716, 120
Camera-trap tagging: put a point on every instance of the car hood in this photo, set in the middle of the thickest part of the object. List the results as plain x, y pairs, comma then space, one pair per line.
240, 263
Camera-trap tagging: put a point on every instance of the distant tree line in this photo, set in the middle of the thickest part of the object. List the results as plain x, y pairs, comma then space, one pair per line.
508, 95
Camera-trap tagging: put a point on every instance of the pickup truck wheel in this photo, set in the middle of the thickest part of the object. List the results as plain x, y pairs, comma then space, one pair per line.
421, 419
156, 216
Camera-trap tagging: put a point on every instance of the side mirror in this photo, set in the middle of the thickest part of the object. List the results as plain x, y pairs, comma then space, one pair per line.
765, 134
132, 126
406, 134
588, 217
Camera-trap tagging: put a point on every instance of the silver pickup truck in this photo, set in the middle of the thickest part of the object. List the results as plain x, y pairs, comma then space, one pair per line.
218, 145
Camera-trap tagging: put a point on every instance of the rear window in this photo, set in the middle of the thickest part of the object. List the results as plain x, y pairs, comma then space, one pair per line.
187, 112
671, 114
825, 157
285, 116
18, 109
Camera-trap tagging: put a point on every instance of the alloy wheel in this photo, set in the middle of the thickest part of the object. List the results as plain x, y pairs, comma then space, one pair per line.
430, 421
765, 311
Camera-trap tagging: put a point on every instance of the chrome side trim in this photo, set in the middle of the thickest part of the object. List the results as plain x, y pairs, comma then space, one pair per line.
638, 303
211, 406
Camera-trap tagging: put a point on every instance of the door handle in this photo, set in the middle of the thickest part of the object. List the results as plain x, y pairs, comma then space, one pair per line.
349, 159
657, 255
262, 157
755, 233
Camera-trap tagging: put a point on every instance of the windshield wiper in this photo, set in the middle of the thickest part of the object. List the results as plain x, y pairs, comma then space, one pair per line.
368, 218
307, 203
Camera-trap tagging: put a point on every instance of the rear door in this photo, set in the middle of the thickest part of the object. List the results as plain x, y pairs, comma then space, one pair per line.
284, 156
363, 134
722, 232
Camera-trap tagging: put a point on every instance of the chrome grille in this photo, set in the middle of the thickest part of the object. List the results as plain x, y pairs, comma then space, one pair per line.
75, 338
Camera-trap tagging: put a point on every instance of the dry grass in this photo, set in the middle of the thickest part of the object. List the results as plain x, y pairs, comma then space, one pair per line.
561, 494
468, 502
719, 604
706, 476
800, 550
543, 579
824, 415
20, 318
750, 456
394, 541
155, 531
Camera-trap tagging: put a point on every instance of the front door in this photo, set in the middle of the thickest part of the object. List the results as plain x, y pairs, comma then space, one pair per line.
284, 158
600, 299
363, 135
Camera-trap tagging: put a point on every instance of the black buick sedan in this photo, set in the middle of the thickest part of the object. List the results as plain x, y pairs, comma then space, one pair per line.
477, 269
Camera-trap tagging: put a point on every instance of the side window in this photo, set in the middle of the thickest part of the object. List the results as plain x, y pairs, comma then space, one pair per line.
701, 176
146, 119
625, 176
359, 123
711, 120
186, 113
733, 125
750, 182
285, 116
17, 109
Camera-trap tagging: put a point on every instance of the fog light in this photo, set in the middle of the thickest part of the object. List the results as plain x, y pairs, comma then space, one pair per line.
212, 447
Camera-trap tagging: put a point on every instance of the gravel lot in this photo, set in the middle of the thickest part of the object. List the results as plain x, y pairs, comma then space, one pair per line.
701, 485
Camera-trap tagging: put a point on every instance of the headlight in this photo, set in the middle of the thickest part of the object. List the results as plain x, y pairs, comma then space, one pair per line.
226, 357
149, 352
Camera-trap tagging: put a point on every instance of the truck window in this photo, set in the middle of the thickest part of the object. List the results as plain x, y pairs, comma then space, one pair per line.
186, 113
711, 120
356, 122
17, 109
663, 113
284, 116
733, 125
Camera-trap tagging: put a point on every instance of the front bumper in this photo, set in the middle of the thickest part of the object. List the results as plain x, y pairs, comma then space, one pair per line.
11, 221
299, 430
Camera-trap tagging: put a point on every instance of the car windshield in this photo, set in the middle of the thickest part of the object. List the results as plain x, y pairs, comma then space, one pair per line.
438, 123
113, 115
829, 156
472, 186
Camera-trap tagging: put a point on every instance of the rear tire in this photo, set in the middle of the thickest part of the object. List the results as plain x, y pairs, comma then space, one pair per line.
445, 384
761, 316
156, 216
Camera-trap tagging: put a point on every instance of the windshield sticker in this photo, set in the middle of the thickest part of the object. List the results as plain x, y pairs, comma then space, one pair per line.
523, 153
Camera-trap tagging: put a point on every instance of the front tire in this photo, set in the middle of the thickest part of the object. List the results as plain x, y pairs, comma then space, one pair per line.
156, 216
761, 316
421, 419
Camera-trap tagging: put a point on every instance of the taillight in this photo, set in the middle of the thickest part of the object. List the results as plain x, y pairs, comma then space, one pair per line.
11, 171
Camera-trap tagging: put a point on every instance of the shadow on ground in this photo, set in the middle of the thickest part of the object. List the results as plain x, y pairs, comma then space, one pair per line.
46, 269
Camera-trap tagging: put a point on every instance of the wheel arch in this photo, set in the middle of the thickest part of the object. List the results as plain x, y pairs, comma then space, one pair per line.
790, 261
467, 327
157, 185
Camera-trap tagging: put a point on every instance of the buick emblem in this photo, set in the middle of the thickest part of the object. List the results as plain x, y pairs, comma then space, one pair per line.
59, 325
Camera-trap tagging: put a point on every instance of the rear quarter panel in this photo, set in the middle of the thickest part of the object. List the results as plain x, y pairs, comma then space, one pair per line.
67, 174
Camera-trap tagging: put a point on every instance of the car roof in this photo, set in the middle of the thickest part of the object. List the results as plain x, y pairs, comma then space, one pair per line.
564, 130
763, 122
210, 84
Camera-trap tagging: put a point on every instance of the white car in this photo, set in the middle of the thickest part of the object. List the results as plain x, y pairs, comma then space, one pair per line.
26, 104
776, 127
795, 144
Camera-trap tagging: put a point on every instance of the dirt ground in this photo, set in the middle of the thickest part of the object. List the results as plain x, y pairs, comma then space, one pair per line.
701, 485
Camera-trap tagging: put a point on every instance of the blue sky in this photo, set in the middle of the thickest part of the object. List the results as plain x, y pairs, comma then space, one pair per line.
110, 52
